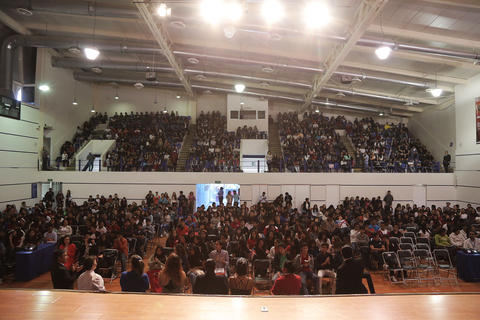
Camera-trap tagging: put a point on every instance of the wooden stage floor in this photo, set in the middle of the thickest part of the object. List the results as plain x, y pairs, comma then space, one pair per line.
65, 305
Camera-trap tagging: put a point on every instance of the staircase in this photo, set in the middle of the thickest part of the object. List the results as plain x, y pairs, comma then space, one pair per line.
274, 145
345, 140
186, 146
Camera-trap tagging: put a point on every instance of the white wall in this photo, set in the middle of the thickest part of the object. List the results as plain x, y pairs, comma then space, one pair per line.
19, 146
234, 103
467, 150
436, 129
322, 188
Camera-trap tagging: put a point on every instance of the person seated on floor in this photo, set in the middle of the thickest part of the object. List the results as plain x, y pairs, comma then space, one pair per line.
210, 283
135, 280
241, 283
349, 274
89, 280
289, 283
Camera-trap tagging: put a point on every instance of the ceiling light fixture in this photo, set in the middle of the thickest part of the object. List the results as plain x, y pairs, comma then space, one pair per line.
44, 87
211, 11
93, 109
272, 11
233, 11
91, 53
381, 114
164, 11
267, 69
117, 97
316, 15
75, 103
74, 50
193, 60
383, 52
435, 92
229, 32
178, 97
165, 110
239, 87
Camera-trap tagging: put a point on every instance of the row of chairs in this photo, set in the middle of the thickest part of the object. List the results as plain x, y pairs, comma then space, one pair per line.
419, 265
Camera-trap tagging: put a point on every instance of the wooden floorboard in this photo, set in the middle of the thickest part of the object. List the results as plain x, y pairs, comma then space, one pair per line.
34, 304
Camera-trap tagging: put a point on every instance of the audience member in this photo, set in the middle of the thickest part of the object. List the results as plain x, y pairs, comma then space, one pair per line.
135, 280
89, 280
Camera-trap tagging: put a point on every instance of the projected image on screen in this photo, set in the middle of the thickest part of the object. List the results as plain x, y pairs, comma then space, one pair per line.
208, 193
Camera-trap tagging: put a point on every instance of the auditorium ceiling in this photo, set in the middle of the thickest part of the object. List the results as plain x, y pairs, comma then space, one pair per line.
434, 45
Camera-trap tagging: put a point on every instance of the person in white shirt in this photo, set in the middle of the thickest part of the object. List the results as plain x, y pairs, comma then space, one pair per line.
472, 242
89, 280
456, 238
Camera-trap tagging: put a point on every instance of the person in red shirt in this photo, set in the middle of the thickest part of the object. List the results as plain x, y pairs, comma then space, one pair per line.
121, 244
182, 229
289, 283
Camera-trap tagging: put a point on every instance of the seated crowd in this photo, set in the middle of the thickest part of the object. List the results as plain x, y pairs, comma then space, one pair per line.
214, 149
227, 249
388, 147
312, 144
145, 141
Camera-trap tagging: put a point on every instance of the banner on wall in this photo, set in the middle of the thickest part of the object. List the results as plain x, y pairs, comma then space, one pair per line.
477, 118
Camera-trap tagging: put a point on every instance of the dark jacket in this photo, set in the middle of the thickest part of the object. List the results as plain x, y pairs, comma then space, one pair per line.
205, 284
61, 277
349, 277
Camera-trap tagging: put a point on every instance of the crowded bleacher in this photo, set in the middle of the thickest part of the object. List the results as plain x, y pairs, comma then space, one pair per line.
259, 244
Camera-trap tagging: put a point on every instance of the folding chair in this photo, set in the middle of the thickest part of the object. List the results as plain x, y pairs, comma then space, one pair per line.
444, 264
425, 264
392, 266
261, 274
423, 240
411, 229
408, 263
107, 264
410, 235
407, 240
394, 242
406, 246
423, 246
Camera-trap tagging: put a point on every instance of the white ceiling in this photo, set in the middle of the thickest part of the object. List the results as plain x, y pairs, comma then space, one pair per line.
442, 24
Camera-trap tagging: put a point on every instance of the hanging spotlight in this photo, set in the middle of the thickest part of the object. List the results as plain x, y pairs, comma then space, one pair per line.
75, 103
211, 11
165, 110
272, 11
117, 97
93, 109
164, 11
383, 52
435, 92
233, 11
316, 14
239, 87
44, 87
381, 114
178, 97
91, 53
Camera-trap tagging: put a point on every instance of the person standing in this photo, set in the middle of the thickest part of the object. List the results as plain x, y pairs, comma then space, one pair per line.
220, 196
446, 161
388, 199
121, 244
349, 274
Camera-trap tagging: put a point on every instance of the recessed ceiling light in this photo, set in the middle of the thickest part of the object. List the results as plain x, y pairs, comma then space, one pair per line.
267, 69
340, 94
272, 11
75, 50
207, 92
193, 60
229, 32
200, 77
24, 12
96, 69
316, 15
164, 11
275, 36
178, 24
138, 85
264, 84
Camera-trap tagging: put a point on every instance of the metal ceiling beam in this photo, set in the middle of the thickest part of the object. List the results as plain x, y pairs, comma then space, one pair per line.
469, 4
424, 36
366, 12
403, 72
12, 24
161, 36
